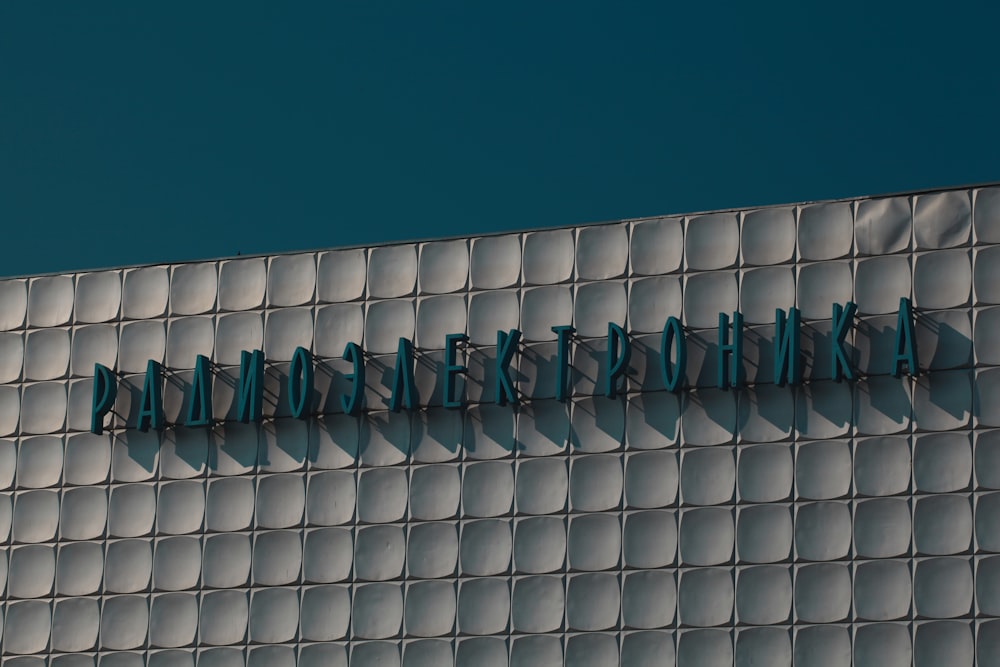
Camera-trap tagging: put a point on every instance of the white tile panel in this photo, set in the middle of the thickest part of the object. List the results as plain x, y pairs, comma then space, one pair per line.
187, 339
883, 226
490, 312
539, 545
768, 236
291, 280
13, 304
942, 219
602, 252
657, 246
50, 301
242, 284
986, 215
548, 257
651, 301
443, 266
392, 271
496, 262
145, 292
597, 305
712, 241
98, 296
193, 288
543, 308
341, 275
708, 294
438, 317
79, 569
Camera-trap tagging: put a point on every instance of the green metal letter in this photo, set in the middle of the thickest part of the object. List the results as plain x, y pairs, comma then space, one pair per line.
300, 383
451, 369
730, 375
619, 352
673, 372
906, 341
843, 318
352, 402
105, 391
404, 391
251, 388
200, 404
563, 333
151, 406
506, 348
787, 347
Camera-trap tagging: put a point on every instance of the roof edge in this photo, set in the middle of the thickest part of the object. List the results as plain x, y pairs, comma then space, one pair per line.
523, 230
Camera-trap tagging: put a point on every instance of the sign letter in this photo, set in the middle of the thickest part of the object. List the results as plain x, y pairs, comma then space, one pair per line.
563, 333
906, 341
251, 389
673, 372
105, 391
843, 318
352, 402
300, 383
404, 392
151, 407
729, 375
619, 352
451, 369
787, 347
200, 403
506, 347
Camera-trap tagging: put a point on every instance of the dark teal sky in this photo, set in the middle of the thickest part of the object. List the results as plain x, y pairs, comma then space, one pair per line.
131, 133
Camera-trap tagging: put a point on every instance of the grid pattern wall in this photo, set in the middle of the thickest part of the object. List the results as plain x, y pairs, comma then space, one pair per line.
827, 524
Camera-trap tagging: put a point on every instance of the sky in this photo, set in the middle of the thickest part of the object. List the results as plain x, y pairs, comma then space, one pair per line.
158, 132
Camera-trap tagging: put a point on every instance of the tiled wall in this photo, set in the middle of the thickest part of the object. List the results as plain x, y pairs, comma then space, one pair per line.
767, 525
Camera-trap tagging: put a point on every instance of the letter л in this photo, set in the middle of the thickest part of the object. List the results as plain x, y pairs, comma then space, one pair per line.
403, 387
200, 404
906, 341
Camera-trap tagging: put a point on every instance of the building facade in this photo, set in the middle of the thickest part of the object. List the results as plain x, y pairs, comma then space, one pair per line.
768, 436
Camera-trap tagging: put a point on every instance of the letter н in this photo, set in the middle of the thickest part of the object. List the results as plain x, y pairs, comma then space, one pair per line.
730, 374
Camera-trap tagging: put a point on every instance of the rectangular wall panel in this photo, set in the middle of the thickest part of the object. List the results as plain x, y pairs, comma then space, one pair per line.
825, 522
